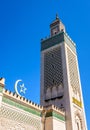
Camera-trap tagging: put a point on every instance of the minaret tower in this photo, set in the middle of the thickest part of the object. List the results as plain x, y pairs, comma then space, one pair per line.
60, 80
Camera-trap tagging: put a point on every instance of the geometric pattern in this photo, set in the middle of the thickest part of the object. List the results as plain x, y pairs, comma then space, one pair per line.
73, 71
53, 74
19, 116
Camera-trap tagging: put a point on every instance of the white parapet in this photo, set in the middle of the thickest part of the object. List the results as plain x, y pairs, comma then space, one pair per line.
2, 83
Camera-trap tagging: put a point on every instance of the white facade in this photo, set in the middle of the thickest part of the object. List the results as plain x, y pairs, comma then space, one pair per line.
61, 94
60, 79
18, 113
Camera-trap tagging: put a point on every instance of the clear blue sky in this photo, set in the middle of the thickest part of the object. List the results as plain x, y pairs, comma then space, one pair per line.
22, 25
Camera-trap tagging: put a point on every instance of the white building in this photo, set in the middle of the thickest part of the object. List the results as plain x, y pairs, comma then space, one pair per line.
61, 98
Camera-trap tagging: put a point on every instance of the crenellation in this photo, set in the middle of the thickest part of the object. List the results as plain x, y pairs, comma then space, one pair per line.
9, 92
54, 108
5, 90
61, 96
2, 82
22, 100
27, 100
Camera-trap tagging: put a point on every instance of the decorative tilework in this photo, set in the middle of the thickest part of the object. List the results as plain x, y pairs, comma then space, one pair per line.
54, 114
20, 117
53, 75
78, 103
10, 102
57, 39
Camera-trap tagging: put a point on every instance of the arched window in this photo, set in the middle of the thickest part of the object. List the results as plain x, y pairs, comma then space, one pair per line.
78, 123
78, 126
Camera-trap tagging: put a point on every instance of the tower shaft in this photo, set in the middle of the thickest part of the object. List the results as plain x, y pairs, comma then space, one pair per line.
60, 80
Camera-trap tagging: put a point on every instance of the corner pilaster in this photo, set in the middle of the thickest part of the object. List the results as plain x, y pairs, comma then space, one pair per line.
2, 84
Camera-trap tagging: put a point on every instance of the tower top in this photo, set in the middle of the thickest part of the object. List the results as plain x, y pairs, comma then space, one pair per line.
57, 16
56, 26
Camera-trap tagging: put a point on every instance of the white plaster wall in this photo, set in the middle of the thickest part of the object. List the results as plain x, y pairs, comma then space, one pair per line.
58, 124
54, 124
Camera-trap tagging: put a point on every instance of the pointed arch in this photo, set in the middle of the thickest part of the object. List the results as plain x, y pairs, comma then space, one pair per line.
78, 121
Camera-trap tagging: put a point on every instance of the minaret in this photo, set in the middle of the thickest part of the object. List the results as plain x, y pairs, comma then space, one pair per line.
60, 80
